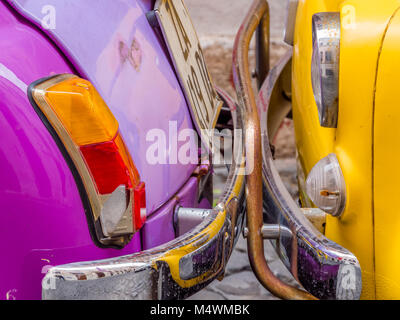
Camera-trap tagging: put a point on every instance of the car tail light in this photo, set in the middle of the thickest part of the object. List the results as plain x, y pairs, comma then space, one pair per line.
140, 205
88, 132
325, 66
326, 187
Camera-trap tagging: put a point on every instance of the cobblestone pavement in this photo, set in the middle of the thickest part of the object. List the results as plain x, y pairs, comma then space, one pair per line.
239, 282
217, 22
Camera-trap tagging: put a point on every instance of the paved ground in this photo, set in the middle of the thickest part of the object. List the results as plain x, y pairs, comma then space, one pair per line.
239, 282
217, 22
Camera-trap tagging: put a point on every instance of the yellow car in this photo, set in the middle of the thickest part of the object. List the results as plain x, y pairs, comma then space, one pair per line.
340, 79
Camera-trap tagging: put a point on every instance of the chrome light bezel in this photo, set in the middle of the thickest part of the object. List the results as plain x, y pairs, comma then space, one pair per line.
325, 66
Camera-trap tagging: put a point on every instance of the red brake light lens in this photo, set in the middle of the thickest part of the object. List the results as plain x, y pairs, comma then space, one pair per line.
140, 205
107, 166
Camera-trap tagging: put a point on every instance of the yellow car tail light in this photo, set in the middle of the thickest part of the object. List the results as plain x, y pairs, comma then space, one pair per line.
88, 132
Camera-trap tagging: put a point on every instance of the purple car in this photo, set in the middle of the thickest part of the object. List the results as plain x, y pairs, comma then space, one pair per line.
105, 190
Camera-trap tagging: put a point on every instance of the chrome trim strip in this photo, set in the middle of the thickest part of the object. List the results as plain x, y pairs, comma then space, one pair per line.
324, 268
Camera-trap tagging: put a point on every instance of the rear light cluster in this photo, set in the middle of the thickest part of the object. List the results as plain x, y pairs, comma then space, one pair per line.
89, 133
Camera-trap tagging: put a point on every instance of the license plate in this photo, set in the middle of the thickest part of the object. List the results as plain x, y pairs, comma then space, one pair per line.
187, 55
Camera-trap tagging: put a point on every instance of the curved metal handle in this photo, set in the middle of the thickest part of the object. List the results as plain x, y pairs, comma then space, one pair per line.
252, 136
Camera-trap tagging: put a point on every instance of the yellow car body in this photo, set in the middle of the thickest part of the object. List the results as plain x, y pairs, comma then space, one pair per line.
367, 136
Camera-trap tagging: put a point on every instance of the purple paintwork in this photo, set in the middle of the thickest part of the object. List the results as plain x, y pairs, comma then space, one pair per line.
42, 218
90, 33
326, 282
162, 221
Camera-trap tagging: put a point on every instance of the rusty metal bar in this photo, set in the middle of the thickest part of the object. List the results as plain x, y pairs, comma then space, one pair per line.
263, 48
252, 136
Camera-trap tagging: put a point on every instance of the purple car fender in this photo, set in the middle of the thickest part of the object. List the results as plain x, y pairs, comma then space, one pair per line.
43, 221
43, 218
141, 89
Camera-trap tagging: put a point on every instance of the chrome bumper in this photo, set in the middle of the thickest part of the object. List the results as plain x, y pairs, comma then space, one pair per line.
175, 270
324, 268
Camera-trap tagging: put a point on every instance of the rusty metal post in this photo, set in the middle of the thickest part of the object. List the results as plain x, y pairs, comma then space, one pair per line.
252, 136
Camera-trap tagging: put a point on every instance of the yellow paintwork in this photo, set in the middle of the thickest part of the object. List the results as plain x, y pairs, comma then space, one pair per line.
363, 26
386, 173
174, 256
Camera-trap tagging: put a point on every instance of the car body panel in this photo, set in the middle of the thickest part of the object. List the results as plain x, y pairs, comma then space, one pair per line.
141, 89
386, 156
361, 38
162, 221
43, 220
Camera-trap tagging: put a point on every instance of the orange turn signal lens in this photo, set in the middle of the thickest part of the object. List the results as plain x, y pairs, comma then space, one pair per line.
82, 111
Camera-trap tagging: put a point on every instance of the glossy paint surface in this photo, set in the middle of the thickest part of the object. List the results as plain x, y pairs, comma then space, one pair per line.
386, 159
161, 222
112, 44
43, 222
363, 26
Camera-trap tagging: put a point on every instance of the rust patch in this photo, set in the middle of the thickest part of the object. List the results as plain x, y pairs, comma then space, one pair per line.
135, 55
